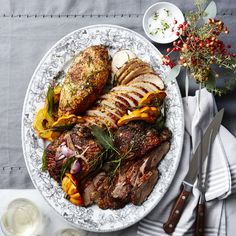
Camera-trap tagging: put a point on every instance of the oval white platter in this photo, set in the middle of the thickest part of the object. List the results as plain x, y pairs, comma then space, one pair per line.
58, 58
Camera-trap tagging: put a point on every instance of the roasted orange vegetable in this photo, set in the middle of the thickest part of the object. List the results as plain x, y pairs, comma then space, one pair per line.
42, 124
76, 199
150, 110
42, 120
49, 134
149, 97
146, 113
46, 125
67, 120
69, 186
139, 116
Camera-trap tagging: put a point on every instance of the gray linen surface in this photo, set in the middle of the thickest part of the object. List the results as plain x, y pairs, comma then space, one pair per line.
28, 28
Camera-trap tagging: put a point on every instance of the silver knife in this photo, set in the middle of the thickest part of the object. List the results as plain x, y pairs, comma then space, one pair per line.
202, 150
202, 186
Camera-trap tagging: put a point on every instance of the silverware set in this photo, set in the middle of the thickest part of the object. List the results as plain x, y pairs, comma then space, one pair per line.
195, 171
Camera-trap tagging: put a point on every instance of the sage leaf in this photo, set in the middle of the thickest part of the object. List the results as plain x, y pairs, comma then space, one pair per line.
62, 127
103, 138
50, 99
210, 11
161, 119
173, 73
44, 161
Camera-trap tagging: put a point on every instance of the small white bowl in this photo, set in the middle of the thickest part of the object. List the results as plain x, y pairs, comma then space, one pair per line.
176, 14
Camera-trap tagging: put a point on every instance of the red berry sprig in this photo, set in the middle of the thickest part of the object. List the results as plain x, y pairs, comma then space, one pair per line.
200, 47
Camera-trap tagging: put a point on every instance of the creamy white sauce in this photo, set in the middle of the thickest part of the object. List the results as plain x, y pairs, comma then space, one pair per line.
161, 23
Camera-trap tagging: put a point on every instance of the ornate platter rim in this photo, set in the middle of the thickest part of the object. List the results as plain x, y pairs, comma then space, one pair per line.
27, 158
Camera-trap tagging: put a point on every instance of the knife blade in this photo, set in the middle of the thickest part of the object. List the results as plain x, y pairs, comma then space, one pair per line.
191, 176
202, 186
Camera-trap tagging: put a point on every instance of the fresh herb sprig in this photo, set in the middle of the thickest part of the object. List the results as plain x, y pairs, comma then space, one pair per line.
116, 163
104, 138
161, 119
44, 161
50, 100
66, 166
110, 154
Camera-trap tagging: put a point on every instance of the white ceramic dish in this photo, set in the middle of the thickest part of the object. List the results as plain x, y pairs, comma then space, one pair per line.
58, 58
166, 36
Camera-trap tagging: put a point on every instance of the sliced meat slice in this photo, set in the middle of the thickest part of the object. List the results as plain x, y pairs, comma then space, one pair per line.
103, 198
120, 58
132, 92
127, 99
144, 186
130, 98
139, 71
134, 66
106, 109
145, 83
115, 104
154, 157
149, 78
135, 139
89, 187
92, 121
121, 187
125, 67
128, 89
112, 105
98, 182
108, 118
119, 103
98, 121
148, 86
137, 64
145, 90
125, 96
87, 190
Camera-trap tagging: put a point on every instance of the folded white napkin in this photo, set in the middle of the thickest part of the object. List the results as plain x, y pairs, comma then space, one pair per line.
222, 175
